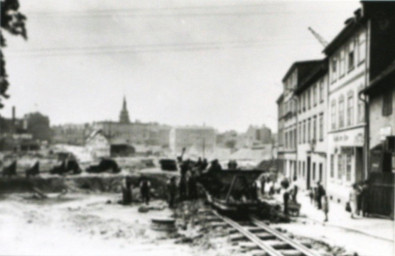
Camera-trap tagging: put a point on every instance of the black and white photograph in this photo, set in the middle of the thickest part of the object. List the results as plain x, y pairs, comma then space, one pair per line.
197, 127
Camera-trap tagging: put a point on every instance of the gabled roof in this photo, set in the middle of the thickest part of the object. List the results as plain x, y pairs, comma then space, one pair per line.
316, 73
299, 64
351, 25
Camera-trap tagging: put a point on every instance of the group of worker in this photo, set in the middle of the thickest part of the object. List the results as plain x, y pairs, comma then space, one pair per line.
127, 190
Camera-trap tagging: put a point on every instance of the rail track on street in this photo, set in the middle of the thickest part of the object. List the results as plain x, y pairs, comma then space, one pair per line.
256, 238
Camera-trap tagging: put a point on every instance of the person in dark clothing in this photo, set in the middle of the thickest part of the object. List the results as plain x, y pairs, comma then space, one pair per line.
183, 187
364, 198
192, 190
204, 164
285, 201
184, 167
320, 193
145, 187
172, 190
127, 191
215, 166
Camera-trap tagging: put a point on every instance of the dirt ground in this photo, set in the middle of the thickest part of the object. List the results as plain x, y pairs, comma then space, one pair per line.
90, 224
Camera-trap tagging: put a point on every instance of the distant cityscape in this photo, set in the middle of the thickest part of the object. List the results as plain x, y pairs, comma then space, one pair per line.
129, 138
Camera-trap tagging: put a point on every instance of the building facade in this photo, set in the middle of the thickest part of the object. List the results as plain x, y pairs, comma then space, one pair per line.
288, 116
311, 127
97, 145
257, 136
348, 57
197, 140
73, 134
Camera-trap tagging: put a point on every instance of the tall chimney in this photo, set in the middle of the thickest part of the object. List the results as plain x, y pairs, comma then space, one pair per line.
13, 114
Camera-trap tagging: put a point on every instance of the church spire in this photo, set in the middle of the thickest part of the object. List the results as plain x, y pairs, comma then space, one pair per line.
124, 115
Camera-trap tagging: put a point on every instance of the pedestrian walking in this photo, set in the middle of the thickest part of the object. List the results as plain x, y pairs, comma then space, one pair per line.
325, 208
353, 200
145, 187
320, 193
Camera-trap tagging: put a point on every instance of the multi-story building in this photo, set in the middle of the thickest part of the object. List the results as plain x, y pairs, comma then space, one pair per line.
380, 97
311, 127
257, 136
74, 134
348, 56
195, 139
289, 116
280, 134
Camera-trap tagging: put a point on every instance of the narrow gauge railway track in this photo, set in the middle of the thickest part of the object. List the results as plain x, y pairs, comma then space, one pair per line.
258, 239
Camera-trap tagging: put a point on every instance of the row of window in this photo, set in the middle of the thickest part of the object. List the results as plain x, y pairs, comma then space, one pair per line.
342, 111
290, 139
310, 130
345, 59
312, 96
316, 170
344, 166
306, 131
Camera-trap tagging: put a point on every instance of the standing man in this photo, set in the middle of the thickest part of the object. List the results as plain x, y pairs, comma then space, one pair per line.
145, 187
172, 190
320, 193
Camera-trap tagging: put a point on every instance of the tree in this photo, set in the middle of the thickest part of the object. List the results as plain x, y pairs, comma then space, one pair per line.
13, 22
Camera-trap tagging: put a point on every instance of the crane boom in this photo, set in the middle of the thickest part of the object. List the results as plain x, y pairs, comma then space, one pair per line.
318, 37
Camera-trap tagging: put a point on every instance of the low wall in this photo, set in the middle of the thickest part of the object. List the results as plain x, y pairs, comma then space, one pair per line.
89, 183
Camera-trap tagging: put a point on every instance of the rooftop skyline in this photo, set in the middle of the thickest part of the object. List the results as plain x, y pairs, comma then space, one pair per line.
177, 63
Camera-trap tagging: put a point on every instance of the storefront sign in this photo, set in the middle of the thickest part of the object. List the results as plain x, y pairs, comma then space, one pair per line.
340, 138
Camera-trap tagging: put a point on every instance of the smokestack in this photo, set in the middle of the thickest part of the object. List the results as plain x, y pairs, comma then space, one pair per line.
13, 114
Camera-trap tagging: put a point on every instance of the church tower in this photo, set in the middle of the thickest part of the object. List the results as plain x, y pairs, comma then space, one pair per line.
124, 115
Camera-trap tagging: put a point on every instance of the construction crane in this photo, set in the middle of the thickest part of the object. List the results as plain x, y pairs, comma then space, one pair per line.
318, 37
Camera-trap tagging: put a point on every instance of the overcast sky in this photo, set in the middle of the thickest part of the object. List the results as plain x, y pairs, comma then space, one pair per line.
177, 62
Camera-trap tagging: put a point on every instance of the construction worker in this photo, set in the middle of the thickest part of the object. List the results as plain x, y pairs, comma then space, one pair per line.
145, 187
171, 190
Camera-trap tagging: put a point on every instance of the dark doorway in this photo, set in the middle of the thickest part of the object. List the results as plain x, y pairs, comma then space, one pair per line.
308, 173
